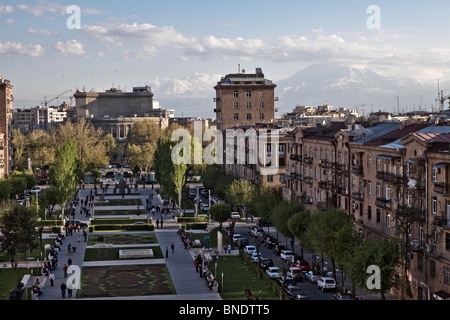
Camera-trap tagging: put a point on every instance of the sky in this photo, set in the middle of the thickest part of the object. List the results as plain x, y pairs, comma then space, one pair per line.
182, 48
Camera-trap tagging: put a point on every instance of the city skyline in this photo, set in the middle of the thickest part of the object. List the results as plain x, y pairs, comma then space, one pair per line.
182, 49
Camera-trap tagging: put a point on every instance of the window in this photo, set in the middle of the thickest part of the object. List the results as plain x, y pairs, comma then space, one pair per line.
369, 187
378, 164
434, 205
236, 116
249, 105
435, 172
261, 116
261, 105
446, 275
369, 162
249, 116
236, 105
388, 220
236, 94
378, 190
249, 94
261, 94
369, 213
378, 215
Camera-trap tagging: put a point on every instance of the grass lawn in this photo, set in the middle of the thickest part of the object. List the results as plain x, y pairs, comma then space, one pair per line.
237, 277
120, 202
9, 279
101, 254
125, 281
124, 238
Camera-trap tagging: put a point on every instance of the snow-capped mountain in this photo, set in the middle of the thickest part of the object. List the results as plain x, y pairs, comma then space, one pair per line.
349, 87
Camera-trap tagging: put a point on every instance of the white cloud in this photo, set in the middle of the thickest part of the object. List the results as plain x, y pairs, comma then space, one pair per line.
6, 9
17, 48
50, 9
42, 32
70, 47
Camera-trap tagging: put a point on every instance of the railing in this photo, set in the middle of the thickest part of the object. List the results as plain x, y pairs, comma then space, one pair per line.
383, 203
358, 170
442, 188
358, 195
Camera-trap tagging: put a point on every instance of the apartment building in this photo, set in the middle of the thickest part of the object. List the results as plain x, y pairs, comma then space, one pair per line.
244, 99
392, 179
6, 111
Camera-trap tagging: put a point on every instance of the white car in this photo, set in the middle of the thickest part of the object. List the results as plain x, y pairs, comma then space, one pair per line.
257, 231
313, 275
273, 272
236, 236
35, 190
295, 272
235, 215
249, 249
287, 255
255, 257
325, 283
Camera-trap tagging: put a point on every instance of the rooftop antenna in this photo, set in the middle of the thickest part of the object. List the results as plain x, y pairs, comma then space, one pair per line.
239, 68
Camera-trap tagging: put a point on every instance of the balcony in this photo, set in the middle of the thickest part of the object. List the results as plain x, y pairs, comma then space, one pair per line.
442, 188
359, 196
324, 185
324, 163
341, 167
295, 157
308, 180
442, 222
391, 177
308, 160
383, 203
358, 170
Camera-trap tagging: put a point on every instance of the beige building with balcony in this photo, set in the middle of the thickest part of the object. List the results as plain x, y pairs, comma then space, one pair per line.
6, 111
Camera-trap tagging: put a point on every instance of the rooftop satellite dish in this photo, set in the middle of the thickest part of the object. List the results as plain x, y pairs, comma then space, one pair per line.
243, 71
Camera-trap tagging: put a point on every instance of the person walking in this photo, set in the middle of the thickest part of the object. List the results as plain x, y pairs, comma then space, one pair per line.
172, 246
157, 223
65, 270
162, 220
167, 252
63, 289
52, 278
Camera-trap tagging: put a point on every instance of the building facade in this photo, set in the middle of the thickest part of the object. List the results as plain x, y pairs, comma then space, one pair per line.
244, 99
6, 111
392, 179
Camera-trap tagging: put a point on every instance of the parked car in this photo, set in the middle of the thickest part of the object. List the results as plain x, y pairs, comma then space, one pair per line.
35, 190
342, 296
265, 263
303, 265
257, 231
286, 282
325, 283
286, 255
273, 272
302, 296
278, 248
313, 275
296, 273
293, 292
255, 257
236, 236
235, 215
270, 242
242, 242
249, 249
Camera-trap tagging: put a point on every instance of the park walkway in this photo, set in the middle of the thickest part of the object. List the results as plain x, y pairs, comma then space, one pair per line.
187, 283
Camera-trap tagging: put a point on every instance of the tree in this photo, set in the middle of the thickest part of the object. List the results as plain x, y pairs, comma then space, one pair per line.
220, 212
380, 253
240, 192
18, 229
281, 215
64, 174
262, 203
297, 225
322, 230
19, 142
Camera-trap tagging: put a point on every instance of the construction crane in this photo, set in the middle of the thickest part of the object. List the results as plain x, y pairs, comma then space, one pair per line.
46, 102
443, 98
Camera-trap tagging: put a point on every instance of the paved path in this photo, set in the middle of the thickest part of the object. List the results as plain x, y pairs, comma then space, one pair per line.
188, 284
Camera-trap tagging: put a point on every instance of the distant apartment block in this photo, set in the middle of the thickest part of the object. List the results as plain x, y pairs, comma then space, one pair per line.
6, 111
39, 118
244, 99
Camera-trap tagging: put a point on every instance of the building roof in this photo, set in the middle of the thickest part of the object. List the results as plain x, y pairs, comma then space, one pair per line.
378, 130
392, 139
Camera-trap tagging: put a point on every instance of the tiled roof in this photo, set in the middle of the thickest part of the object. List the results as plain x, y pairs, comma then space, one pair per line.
398, 134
